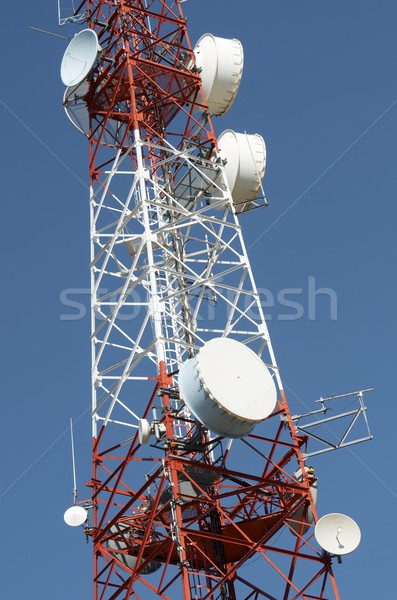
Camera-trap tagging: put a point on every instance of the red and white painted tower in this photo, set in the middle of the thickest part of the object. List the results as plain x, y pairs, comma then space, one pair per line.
199, 484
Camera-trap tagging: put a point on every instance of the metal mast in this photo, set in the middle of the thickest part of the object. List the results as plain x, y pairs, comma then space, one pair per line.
189, 515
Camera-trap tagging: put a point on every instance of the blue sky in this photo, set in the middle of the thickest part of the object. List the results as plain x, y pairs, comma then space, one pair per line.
319, 84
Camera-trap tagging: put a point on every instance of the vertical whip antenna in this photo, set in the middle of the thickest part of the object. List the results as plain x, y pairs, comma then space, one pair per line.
73, 462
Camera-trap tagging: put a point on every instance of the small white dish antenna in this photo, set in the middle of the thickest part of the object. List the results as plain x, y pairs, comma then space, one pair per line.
337, 534
75, 516
79, 57
144, 431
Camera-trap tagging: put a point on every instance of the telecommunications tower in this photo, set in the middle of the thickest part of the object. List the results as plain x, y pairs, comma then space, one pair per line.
199, 487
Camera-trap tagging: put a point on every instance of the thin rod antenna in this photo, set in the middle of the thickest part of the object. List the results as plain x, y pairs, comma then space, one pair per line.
73, 463
64, 37
334, 397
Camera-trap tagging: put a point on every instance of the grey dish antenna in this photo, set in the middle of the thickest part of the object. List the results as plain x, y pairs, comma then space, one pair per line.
337, 534
79, 57
121, 532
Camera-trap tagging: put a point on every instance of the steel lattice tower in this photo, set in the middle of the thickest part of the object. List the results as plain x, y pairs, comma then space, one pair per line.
188, 515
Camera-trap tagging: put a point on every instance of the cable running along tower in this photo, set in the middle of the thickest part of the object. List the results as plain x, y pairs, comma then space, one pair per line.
199, 488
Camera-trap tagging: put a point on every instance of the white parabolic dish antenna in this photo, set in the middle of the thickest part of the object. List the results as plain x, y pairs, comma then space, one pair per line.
227, 387
337, 534
75, 516
79, 57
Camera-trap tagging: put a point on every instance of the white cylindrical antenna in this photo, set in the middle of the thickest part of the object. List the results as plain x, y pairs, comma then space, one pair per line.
73, 463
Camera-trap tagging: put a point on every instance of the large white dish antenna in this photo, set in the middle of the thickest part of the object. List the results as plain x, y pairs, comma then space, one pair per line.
227, 387
337, 534
79, 57
75, 516
76, 110
245, 156
220, 62
128, 559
